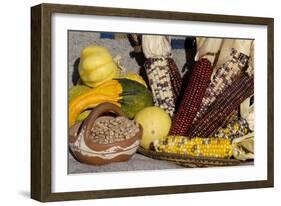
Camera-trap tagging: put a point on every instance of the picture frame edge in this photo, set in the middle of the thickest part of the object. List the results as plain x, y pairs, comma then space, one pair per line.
35, 153
270, 102
163, 190
41, 104
158, 14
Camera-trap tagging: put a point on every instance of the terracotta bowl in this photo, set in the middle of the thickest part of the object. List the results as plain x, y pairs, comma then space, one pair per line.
89, 152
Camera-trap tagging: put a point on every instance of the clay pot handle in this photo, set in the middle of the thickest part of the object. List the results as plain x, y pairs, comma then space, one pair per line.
73, 132
97, 112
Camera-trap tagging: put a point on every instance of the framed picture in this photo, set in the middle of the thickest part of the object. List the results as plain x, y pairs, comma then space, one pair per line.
132, 102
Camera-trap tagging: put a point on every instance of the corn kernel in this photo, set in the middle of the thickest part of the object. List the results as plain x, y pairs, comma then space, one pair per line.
204, 147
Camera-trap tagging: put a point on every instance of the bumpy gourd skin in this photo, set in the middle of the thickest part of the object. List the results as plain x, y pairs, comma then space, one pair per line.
130, 95
96, 66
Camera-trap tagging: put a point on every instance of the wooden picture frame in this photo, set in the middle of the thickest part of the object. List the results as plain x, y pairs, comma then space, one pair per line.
41, 165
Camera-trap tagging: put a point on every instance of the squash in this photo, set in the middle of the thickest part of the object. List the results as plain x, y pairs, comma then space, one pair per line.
156, 124
77, 90
130, 95
74, 92
134, 76
96, 66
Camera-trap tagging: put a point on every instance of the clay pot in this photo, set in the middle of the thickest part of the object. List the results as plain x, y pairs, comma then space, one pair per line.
89, 152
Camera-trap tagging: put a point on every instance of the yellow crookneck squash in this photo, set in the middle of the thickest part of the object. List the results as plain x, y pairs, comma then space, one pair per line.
130, 95
96, 66
76, 91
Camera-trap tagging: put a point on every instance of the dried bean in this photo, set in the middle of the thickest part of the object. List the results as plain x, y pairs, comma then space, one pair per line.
114, 130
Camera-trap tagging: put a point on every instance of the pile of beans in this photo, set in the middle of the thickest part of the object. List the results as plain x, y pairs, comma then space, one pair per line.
111, 130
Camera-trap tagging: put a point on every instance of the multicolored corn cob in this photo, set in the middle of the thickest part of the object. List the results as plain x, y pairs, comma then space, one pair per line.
232, 117
197, 147
234, 129
225, 103
192, 97
175, 76
223, 77
157, 71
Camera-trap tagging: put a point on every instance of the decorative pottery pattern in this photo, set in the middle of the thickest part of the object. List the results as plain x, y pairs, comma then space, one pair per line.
105, 156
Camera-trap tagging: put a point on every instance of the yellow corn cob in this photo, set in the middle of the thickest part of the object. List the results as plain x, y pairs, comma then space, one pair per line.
197, 147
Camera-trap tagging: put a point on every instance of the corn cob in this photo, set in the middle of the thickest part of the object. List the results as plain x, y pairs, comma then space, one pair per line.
157, 71
192, 97
157, 49
233, 129
197, 147
225, 103
176, 80
222, 78
232, 117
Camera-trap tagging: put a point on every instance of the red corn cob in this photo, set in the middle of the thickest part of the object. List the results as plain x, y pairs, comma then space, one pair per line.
225, 103
192, 97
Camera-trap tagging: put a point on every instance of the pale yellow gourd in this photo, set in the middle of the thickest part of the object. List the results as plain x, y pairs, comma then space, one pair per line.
155, 122
96, 65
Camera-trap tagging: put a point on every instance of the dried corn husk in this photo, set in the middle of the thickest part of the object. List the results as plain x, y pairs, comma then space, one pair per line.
135, 40
246, 109
207, 48
250, 69
155, 46
243, 147
225, 50
247, 112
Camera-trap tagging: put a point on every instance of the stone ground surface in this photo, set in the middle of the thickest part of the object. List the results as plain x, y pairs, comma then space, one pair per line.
137, 162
